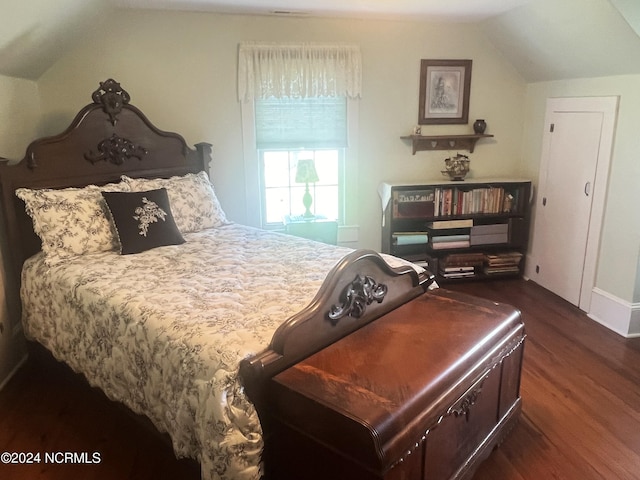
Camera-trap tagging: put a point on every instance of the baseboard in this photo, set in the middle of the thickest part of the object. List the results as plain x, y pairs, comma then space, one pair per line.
614, 313
13, 372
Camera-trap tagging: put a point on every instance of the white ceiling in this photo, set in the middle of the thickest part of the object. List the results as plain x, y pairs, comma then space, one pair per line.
437, 10
543, 39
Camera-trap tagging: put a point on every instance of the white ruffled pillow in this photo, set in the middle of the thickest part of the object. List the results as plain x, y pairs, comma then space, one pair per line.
71, 221
193, 201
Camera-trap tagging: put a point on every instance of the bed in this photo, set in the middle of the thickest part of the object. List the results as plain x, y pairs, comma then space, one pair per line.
246, 305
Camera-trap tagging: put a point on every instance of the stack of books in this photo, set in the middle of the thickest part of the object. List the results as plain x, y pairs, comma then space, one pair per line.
457, 272
502, 263
460, 265
495, 233
448, 234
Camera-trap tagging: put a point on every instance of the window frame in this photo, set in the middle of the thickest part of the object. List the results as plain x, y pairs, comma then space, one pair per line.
252, 171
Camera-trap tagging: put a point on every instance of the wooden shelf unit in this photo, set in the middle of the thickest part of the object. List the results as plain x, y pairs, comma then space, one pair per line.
474, 229
444, 142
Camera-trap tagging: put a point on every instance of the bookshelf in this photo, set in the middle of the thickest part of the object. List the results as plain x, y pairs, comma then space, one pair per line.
471, 230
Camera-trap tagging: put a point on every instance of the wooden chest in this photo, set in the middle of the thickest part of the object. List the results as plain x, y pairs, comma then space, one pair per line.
436, 389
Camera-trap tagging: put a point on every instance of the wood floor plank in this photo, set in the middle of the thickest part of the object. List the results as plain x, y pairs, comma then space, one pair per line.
46, 408
580, 390
580, 418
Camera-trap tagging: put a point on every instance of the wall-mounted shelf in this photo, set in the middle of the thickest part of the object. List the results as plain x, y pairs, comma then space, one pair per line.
444, 142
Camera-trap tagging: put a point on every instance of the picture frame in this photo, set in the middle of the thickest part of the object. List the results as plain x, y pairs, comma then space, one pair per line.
444, 91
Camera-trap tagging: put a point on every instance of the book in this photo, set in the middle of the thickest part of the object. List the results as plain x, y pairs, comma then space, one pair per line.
502, 263
502, 258
457, 274
443, 224
502, 270
489, 239
407, 238
463, 260
446, 245
450, 238
458, 269
490, 229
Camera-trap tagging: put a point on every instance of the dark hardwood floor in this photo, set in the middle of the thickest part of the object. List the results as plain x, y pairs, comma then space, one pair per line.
580, 390
46, 408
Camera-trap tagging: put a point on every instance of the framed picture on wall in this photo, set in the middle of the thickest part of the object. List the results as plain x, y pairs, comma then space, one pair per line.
444, 91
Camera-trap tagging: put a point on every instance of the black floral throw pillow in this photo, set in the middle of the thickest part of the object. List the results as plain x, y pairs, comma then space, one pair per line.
143, 220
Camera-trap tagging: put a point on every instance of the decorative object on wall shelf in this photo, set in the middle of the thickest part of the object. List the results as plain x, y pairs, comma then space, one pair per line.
456, 168
479, 126
444, 91
444, 142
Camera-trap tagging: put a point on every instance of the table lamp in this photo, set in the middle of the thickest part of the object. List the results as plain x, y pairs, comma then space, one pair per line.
306, 173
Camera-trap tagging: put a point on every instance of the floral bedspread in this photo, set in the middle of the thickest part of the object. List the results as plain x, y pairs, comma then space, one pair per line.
228, 288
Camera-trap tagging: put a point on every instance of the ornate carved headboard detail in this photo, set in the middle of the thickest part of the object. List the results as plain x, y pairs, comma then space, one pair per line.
112, 97
107, 138
114, 149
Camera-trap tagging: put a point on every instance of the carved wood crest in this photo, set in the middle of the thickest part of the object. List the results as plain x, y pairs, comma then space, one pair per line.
112, 97
116, 150
356, 297
463, 407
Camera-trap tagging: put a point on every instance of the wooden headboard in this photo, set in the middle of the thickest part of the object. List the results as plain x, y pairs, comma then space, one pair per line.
107, 138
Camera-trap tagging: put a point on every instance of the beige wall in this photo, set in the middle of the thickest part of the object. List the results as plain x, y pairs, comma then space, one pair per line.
19, 109
180, 68
619, 259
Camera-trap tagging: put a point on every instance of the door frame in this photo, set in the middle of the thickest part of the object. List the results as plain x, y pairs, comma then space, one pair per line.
608, 106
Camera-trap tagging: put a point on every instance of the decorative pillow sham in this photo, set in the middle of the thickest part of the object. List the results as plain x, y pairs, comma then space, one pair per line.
143, 220
71, 221
193, 201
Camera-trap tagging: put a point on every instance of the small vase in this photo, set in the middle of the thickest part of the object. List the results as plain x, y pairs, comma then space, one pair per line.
479, 126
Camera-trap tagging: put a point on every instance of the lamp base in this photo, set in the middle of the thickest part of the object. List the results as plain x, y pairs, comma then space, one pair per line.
307, 201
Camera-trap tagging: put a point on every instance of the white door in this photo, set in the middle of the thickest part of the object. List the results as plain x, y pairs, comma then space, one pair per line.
571, 193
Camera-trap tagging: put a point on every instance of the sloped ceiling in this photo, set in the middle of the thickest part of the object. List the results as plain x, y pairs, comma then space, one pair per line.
630, 10
543, 39
36, 33
552, 39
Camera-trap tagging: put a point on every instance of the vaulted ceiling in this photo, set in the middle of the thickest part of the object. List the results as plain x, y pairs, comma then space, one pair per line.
543, 39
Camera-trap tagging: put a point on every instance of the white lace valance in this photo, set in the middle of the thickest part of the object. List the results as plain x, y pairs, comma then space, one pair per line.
298, 71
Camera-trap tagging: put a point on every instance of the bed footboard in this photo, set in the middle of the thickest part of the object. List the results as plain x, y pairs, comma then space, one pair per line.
359, 289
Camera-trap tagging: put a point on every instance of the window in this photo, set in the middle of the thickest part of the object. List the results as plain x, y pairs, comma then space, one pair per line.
295, 99
290, 132
282, 195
